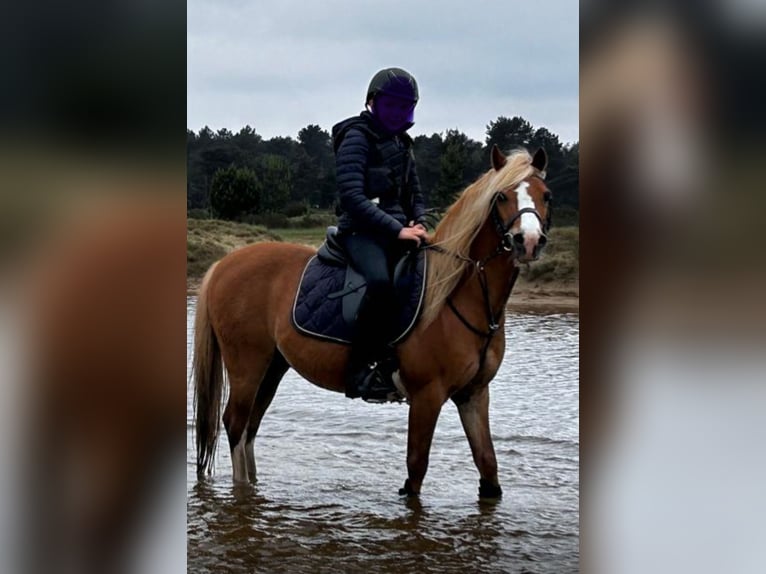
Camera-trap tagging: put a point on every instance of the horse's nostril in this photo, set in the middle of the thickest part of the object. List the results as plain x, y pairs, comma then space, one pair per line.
542, 241
518, 239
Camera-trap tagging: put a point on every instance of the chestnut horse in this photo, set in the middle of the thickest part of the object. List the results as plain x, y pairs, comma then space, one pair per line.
243, 321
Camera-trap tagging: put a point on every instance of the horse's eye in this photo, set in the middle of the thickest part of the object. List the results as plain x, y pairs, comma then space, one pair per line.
547, 196
502, 198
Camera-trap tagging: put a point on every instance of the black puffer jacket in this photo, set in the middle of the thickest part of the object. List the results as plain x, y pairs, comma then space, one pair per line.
377, 180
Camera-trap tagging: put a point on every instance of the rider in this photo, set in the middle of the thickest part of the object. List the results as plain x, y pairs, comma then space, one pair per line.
382, 214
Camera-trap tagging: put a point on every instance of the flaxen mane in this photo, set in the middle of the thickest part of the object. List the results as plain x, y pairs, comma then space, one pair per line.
461, 224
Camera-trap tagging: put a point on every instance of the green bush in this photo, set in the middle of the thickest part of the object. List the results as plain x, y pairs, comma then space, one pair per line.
565, 216
270, 220
295, 209
198, 213
234, 191
313, 220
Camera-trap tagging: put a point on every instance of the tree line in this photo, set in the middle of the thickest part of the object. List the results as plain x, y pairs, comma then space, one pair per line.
233, 175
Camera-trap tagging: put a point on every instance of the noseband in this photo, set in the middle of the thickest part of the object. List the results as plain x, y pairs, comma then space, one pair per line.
504, 228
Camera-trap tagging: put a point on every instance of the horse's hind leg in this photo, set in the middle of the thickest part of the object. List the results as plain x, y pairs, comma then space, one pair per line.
277, 369
244, 384
474, 414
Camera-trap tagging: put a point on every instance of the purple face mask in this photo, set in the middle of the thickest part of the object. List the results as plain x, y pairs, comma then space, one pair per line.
394, 114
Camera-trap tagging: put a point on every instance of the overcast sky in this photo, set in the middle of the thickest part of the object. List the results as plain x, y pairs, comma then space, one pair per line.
280, 65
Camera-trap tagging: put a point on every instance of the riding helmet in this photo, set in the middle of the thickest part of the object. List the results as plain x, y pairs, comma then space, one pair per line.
393, 82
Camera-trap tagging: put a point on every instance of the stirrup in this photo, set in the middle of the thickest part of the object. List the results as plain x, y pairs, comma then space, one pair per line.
355, 378
378, 387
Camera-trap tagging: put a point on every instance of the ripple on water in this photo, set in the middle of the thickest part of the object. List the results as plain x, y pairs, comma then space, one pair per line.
329, 470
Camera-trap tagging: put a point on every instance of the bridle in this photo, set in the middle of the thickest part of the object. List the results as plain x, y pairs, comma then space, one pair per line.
504, 228
505, 245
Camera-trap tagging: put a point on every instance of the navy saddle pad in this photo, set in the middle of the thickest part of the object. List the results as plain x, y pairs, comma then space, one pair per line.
330, 292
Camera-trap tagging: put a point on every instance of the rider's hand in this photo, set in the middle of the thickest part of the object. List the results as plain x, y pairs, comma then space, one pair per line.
426, 237
415, 234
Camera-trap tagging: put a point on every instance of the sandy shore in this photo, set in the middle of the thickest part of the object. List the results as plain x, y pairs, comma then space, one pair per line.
545, 298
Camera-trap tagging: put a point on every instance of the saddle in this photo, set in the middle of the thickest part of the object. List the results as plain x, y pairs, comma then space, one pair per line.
330, 293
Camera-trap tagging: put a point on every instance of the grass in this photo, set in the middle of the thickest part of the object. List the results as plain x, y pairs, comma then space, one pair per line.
313, 236
560, 260
208, 240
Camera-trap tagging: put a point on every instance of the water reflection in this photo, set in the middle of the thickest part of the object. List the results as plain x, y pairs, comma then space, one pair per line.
329, 471
245, 529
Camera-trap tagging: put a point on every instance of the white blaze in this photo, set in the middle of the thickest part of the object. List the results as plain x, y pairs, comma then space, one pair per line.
529, 224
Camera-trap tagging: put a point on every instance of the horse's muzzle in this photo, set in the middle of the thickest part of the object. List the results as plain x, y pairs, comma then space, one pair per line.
528, 247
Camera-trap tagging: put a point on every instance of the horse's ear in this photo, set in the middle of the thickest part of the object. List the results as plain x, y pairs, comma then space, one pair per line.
540, 159
498, 159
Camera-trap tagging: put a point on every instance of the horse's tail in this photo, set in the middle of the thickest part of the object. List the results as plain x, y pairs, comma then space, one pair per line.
207, 370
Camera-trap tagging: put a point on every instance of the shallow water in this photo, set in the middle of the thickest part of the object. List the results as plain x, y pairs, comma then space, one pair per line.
329, 469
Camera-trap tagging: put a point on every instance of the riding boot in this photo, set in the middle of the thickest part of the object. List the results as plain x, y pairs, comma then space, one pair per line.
378, 385
370, 365
359, 368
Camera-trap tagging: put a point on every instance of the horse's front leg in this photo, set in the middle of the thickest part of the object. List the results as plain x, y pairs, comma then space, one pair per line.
425, 407
474, 414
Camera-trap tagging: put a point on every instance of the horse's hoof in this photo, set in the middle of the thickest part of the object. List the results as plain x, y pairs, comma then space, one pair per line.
489, 490
406, 490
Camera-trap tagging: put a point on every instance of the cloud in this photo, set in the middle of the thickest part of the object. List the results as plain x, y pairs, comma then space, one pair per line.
279, 65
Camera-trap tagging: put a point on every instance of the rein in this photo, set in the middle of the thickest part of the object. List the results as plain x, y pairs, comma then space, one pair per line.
493, 319
505, 245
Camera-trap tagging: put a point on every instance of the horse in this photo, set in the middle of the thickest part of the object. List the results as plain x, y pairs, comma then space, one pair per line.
243, 322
